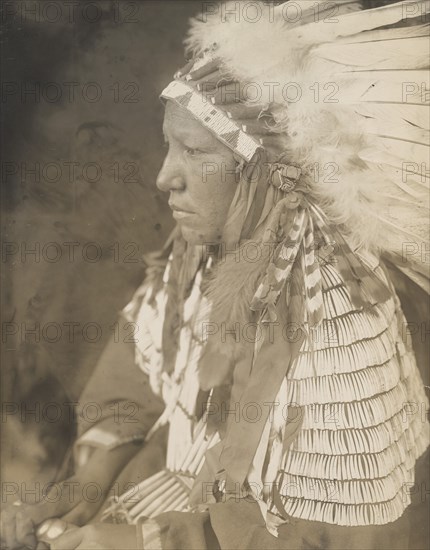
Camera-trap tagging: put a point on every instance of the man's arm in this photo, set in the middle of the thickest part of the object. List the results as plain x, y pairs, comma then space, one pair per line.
116, 410
117, 405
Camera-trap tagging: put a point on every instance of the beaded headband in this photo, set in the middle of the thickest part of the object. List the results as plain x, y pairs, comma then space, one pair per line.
212, 118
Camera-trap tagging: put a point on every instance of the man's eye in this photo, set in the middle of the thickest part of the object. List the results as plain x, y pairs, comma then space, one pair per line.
192, 152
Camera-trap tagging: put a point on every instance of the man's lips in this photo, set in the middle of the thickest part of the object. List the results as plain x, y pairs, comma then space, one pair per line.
180, 210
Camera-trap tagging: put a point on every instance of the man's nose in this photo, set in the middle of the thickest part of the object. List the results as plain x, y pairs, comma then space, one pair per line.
170, 177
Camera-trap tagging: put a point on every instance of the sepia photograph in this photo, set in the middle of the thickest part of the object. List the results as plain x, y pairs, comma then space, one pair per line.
215, 275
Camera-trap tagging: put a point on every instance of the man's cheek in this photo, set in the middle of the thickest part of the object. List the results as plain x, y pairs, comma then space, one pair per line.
207, 172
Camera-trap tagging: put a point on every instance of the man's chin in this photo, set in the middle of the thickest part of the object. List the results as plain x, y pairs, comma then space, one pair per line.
196, 237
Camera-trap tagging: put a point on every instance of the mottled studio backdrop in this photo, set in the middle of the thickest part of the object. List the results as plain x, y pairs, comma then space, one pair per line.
81, 147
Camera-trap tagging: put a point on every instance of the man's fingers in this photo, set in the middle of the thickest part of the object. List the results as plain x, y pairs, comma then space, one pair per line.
55, 503
8, 532
18, 523
28, 541
25, 530
70, 540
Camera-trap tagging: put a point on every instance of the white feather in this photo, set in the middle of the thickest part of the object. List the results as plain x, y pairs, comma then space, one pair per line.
370, 129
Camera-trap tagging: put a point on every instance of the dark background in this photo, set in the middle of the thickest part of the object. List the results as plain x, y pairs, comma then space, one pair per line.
130, 50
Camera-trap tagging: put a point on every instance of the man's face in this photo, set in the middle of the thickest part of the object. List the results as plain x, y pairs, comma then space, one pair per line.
199, 173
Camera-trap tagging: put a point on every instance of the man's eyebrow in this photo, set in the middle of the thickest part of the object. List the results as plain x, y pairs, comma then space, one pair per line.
184, 136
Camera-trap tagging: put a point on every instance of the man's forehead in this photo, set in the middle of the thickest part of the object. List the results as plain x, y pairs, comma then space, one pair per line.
181, 124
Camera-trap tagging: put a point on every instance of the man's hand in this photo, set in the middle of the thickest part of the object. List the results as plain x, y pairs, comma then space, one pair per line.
72, 499
100, 536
